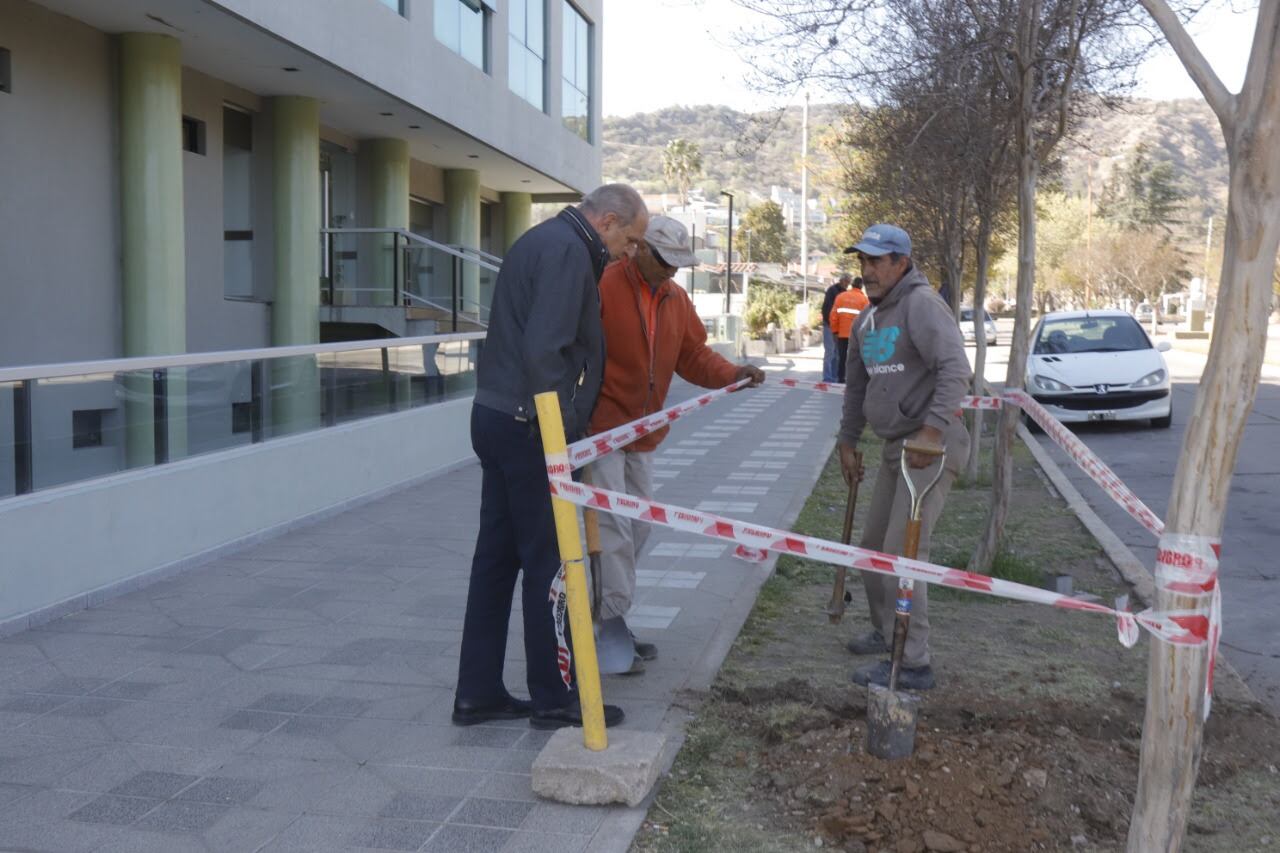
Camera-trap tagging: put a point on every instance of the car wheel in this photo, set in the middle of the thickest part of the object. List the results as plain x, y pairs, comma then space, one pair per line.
1032, 426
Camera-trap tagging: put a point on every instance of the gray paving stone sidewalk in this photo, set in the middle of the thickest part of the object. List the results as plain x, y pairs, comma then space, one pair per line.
296, 695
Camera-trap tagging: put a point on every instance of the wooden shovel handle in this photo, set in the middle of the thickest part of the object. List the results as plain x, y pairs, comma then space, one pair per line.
591, 520
923, 449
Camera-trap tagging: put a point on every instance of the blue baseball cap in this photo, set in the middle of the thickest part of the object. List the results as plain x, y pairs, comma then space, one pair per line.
881, 240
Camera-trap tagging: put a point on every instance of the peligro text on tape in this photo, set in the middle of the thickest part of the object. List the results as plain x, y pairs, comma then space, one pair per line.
1187, 565
1167, 626
594, 446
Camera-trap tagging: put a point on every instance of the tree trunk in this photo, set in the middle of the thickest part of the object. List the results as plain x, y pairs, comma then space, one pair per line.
1006, 430
1173, 726
980, 341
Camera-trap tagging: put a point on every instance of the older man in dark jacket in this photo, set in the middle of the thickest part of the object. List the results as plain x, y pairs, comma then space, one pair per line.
544, 335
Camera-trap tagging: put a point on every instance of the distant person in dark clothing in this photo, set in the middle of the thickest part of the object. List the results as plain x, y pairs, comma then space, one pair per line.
544, 335
830, 353
845, 312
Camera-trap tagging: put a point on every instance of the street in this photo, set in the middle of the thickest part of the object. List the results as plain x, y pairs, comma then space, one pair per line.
1145, 459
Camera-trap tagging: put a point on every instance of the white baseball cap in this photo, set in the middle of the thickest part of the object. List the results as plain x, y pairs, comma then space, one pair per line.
670, 239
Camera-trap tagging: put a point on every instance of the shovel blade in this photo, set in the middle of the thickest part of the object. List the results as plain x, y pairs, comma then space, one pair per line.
891, 723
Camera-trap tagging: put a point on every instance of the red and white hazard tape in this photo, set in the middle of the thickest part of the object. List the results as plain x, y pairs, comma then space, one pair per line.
1187, 565
825, 387
1088, 461
967, 402
594, 446
1172, 627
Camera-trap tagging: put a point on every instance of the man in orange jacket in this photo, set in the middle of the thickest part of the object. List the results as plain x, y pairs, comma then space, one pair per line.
845, 312
651, 332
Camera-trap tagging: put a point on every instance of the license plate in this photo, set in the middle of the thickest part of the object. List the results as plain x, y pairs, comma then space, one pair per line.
1102, 416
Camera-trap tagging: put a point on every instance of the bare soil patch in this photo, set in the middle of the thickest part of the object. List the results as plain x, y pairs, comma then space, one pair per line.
1030, 742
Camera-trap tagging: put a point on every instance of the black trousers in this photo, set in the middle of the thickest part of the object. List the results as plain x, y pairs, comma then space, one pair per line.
842, 354
517, 532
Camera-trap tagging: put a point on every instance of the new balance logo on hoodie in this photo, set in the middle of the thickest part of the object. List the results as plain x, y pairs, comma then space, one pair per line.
878, 347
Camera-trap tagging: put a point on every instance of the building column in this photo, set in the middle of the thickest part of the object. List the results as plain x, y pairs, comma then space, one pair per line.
152, 245
295, 312
462, 203
388, 169
517, 213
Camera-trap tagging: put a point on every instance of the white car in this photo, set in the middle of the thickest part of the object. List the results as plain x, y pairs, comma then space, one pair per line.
966, 327
1098, 366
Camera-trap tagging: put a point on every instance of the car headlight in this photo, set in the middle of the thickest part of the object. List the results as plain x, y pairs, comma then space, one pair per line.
1151, 379
1044, 383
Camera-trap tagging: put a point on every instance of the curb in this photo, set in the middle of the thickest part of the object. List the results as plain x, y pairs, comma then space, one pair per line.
1131, 569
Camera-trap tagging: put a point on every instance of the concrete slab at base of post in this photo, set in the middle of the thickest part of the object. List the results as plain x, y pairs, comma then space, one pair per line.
568, 772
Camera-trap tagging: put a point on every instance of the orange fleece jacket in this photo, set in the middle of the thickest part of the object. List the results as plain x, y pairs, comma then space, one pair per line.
649, 336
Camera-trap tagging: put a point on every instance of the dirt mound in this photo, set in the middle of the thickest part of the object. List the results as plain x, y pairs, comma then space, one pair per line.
985, 776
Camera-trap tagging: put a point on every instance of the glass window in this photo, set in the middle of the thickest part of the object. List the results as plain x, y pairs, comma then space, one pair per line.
1090, 334
237, 204
463, 27
576, 75
526, 50
396, 6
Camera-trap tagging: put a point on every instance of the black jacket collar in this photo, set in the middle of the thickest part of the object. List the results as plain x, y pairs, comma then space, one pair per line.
595, 246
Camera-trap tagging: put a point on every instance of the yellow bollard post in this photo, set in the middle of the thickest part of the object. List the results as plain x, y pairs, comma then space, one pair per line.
575, 579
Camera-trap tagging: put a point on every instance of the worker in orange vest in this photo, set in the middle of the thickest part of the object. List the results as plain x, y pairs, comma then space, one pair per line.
845, 312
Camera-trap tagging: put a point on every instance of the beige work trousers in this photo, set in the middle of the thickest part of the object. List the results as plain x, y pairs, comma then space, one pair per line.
621, 539
885, 531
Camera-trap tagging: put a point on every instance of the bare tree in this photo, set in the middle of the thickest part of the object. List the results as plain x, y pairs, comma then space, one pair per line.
1049, 54
1173, 728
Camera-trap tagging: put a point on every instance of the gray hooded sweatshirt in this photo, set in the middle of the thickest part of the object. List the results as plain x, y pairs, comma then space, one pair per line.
907, 366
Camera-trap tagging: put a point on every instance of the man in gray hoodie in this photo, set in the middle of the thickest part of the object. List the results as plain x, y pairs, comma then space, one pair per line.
905, 376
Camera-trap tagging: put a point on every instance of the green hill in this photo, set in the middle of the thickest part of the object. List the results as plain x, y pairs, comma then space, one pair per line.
751, 151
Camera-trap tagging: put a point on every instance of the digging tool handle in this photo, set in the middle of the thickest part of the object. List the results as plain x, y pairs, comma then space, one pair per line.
835, 609
902, 611
591, 522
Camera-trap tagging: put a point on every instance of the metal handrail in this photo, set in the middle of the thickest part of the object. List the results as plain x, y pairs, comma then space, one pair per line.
475, 316
138, 363
460, 253
493, 259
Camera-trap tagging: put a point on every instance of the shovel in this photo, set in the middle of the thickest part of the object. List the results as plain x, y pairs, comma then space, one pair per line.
892, 716
839, 598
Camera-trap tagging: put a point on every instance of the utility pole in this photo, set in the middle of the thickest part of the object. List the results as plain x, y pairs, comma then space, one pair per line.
804, 201
728, 263
1088, 237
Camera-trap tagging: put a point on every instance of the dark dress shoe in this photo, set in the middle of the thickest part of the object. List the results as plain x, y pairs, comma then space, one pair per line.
508, 708
571, 715
645, 651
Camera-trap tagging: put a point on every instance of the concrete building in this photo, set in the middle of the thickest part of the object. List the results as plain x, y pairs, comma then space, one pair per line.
184, 176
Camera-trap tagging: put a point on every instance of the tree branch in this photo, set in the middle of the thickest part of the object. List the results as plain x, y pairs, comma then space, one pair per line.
1220, 100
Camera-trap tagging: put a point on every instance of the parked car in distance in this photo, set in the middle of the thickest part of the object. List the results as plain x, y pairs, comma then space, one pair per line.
1098, 366
1145, 312
966, 327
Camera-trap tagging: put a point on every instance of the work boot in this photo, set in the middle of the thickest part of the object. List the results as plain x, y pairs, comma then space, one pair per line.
870, 643
644, 651
909, 678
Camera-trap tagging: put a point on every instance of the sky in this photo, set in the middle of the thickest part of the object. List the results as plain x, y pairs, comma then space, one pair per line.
659, 53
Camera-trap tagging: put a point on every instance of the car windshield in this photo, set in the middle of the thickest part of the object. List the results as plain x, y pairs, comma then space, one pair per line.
1090, 334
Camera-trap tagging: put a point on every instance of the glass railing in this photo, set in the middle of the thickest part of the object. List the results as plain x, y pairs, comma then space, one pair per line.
67, 423
391, 266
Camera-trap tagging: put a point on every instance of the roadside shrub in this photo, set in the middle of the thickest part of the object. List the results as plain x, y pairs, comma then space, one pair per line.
769, 303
